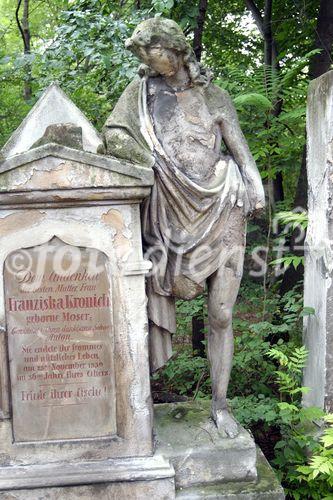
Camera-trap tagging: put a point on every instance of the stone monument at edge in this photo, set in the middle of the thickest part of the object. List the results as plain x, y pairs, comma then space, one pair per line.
318, 291
76, 414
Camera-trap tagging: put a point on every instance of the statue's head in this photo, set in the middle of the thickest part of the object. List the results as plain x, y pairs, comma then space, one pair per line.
162, 46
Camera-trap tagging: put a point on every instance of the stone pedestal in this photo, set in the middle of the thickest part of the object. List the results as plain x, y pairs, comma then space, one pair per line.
318, 289
208, 465
108, 479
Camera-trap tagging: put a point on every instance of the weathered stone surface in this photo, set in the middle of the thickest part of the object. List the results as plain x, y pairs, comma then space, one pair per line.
188, 437
88, 201
266, 487
53, 107
65, 134
318, 289
86, 472
54, 167
115, 231
159, 489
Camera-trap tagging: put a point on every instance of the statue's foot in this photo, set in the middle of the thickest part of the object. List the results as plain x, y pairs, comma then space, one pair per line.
225, 423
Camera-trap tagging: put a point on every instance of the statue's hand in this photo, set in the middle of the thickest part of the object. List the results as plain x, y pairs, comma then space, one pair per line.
256, 209
256, 198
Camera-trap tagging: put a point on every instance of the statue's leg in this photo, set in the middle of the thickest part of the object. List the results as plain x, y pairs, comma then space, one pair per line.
223, 288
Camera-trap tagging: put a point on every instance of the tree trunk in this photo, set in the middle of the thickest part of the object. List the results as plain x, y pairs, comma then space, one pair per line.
264, 24
24, 28
268, 35
198, 32
319, 64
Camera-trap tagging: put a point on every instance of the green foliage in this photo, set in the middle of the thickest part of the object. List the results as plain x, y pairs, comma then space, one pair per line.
276, 138
293, 222
320, 468
252, 99
289, 374
265, 390
186, 310
303, 458
304, 463
186, 374
252, 409
252, 371
88, 56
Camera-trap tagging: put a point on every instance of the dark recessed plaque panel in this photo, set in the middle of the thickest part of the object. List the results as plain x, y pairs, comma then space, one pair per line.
58, 312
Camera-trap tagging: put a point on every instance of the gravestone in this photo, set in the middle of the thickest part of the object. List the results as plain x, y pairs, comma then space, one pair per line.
74, 371
318, 290
76, 414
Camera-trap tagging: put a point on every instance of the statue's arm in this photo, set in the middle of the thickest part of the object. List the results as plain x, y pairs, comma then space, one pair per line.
240, 151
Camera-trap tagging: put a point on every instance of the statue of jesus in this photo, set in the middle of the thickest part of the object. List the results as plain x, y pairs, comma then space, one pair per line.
173, 119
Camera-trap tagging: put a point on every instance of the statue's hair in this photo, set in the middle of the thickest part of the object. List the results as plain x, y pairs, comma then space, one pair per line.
166, 33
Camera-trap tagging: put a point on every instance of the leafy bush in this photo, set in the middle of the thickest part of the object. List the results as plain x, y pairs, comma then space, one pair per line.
318, 474
185, 374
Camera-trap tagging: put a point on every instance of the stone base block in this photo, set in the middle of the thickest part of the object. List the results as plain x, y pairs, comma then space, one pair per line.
200, 455
266, 487
135, 478
162, 489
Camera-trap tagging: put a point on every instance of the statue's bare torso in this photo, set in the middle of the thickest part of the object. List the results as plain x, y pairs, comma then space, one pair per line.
189, 132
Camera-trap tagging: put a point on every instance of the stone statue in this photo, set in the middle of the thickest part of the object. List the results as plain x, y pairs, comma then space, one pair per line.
173, 119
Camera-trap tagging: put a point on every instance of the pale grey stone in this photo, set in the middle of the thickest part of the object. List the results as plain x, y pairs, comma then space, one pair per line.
53, 107
65, 134
158, 489
140, 174
90, 201
115, 231
200, 455
318, 291
54, 193
266, 487
55, 174
86, 472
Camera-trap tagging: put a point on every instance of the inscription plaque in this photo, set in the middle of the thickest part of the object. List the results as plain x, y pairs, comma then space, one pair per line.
60, 343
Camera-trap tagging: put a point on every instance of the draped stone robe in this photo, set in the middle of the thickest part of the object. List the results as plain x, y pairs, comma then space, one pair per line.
196, 190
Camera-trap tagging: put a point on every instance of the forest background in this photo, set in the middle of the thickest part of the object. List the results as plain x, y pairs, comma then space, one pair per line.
264, 53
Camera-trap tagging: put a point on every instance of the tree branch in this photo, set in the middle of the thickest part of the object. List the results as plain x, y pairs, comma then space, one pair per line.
268, 33
198, 32
24, 29
258, 19
264, 25
17, 11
